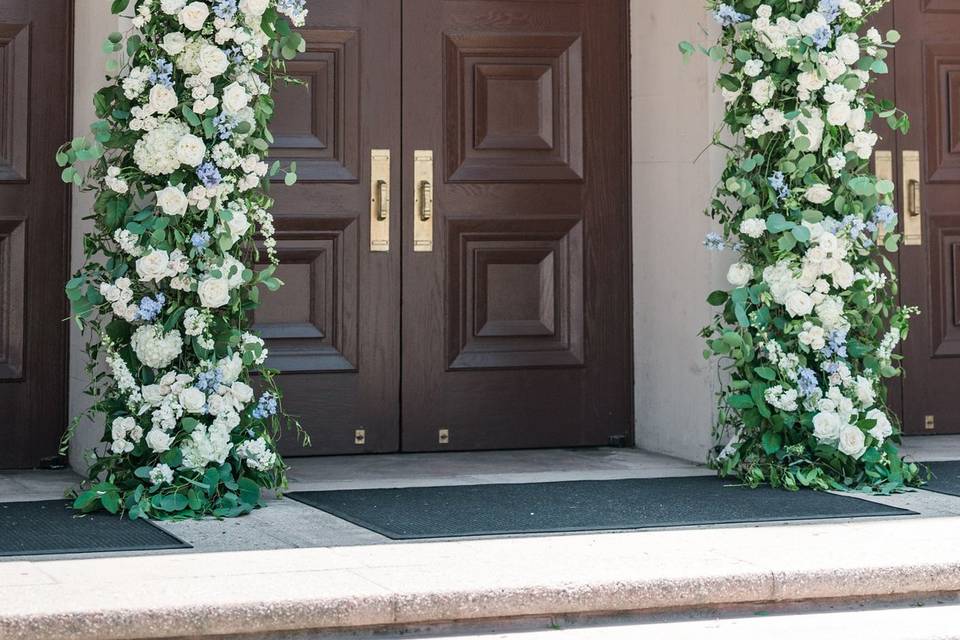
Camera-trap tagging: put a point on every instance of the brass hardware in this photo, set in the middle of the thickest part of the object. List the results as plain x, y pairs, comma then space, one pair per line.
444, 436
423, 200
380, 200
913, 221
360, 437
883, 167
929, 423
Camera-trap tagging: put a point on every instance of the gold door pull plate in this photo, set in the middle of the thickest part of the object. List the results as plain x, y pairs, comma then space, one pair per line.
423, 200
360, 437
912, 201
443, 436
380, 200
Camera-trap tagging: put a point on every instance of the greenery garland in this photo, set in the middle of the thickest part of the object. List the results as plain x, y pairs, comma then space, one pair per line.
168, 285
807, 335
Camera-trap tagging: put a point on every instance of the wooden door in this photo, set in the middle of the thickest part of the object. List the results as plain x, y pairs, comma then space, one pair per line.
928, 88
516, 322
334, 329
35, 54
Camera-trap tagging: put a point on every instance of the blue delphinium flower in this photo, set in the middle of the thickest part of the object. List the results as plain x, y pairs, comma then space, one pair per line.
807, 383
209, 175
225, 125
885, 215
821, 37
836, 344
225, 9
830, 9
162, 73
209, 380
266, 407
778, 182
150, 308
200, 240
714, 242
727, 16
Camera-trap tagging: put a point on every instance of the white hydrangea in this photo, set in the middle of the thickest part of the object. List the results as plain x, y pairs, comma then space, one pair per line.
206, 445
257, 454
161, 474
154, 348
156, 153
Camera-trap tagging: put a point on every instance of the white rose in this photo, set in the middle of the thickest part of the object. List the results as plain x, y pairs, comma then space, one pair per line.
853, 10
839, 114
153, 266
857, 120
216, 405
242, 392
865, 393
833, 67
214, 292
848, 49
883, 429
159, 440
173, 201
254, 8
739, 274
844, 276
238, 226
818, 193
826, 427
194, 15
173, 43
752, 68
812, 23
191, 150
193, 400
798, 303
163, 99
212, 61
235, 98
753, 227
172, 7
852, 442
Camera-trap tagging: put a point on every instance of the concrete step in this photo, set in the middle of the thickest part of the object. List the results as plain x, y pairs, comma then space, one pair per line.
405, 585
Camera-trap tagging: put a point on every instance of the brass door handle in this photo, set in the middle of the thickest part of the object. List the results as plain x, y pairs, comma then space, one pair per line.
913, 199
380, 200
426, 200
423, 200
383, 200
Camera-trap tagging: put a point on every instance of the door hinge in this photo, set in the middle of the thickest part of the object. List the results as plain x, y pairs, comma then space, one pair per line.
360, 437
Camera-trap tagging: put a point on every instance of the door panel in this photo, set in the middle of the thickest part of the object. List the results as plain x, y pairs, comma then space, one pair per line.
334, 330
928, 88
35, 37
516, 325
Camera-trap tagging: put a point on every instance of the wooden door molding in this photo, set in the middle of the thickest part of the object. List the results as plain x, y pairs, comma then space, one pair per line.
36, 81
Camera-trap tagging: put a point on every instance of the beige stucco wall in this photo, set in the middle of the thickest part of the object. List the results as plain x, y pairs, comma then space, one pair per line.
675, 112
94, 23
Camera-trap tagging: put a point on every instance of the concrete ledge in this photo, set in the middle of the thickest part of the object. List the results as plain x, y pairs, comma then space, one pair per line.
402, 584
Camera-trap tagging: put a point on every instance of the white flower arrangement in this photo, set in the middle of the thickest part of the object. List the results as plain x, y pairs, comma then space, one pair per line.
808, 333
169, 283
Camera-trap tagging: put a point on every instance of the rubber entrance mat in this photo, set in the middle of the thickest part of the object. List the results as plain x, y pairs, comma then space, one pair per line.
945, 479
52, 527
593, 505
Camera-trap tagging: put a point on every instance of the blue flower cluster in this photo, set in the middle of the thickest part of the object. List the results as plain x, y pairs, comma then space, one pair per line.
714, 242
225, 9
162, 73
266, 407
885, 215
225, 125
291, 7
836, 344
829, 9
209, 175
209, 380
778, 183
821, 37
725, 15
200, 240
807, 383
150, 308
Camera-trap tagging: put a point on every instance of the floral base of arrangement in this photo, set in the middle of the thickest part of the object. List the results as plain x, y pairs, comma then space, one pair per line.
807, 335
176, 162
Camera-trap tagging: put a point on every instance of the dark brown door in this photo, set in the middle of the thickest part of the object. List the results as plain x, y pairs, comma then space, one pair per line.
334, 329
35, 52
928, 88
516, 325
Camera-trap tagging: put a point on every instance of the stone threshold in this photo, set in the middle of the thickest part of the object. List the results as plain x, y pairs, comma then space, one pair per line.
259, 592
